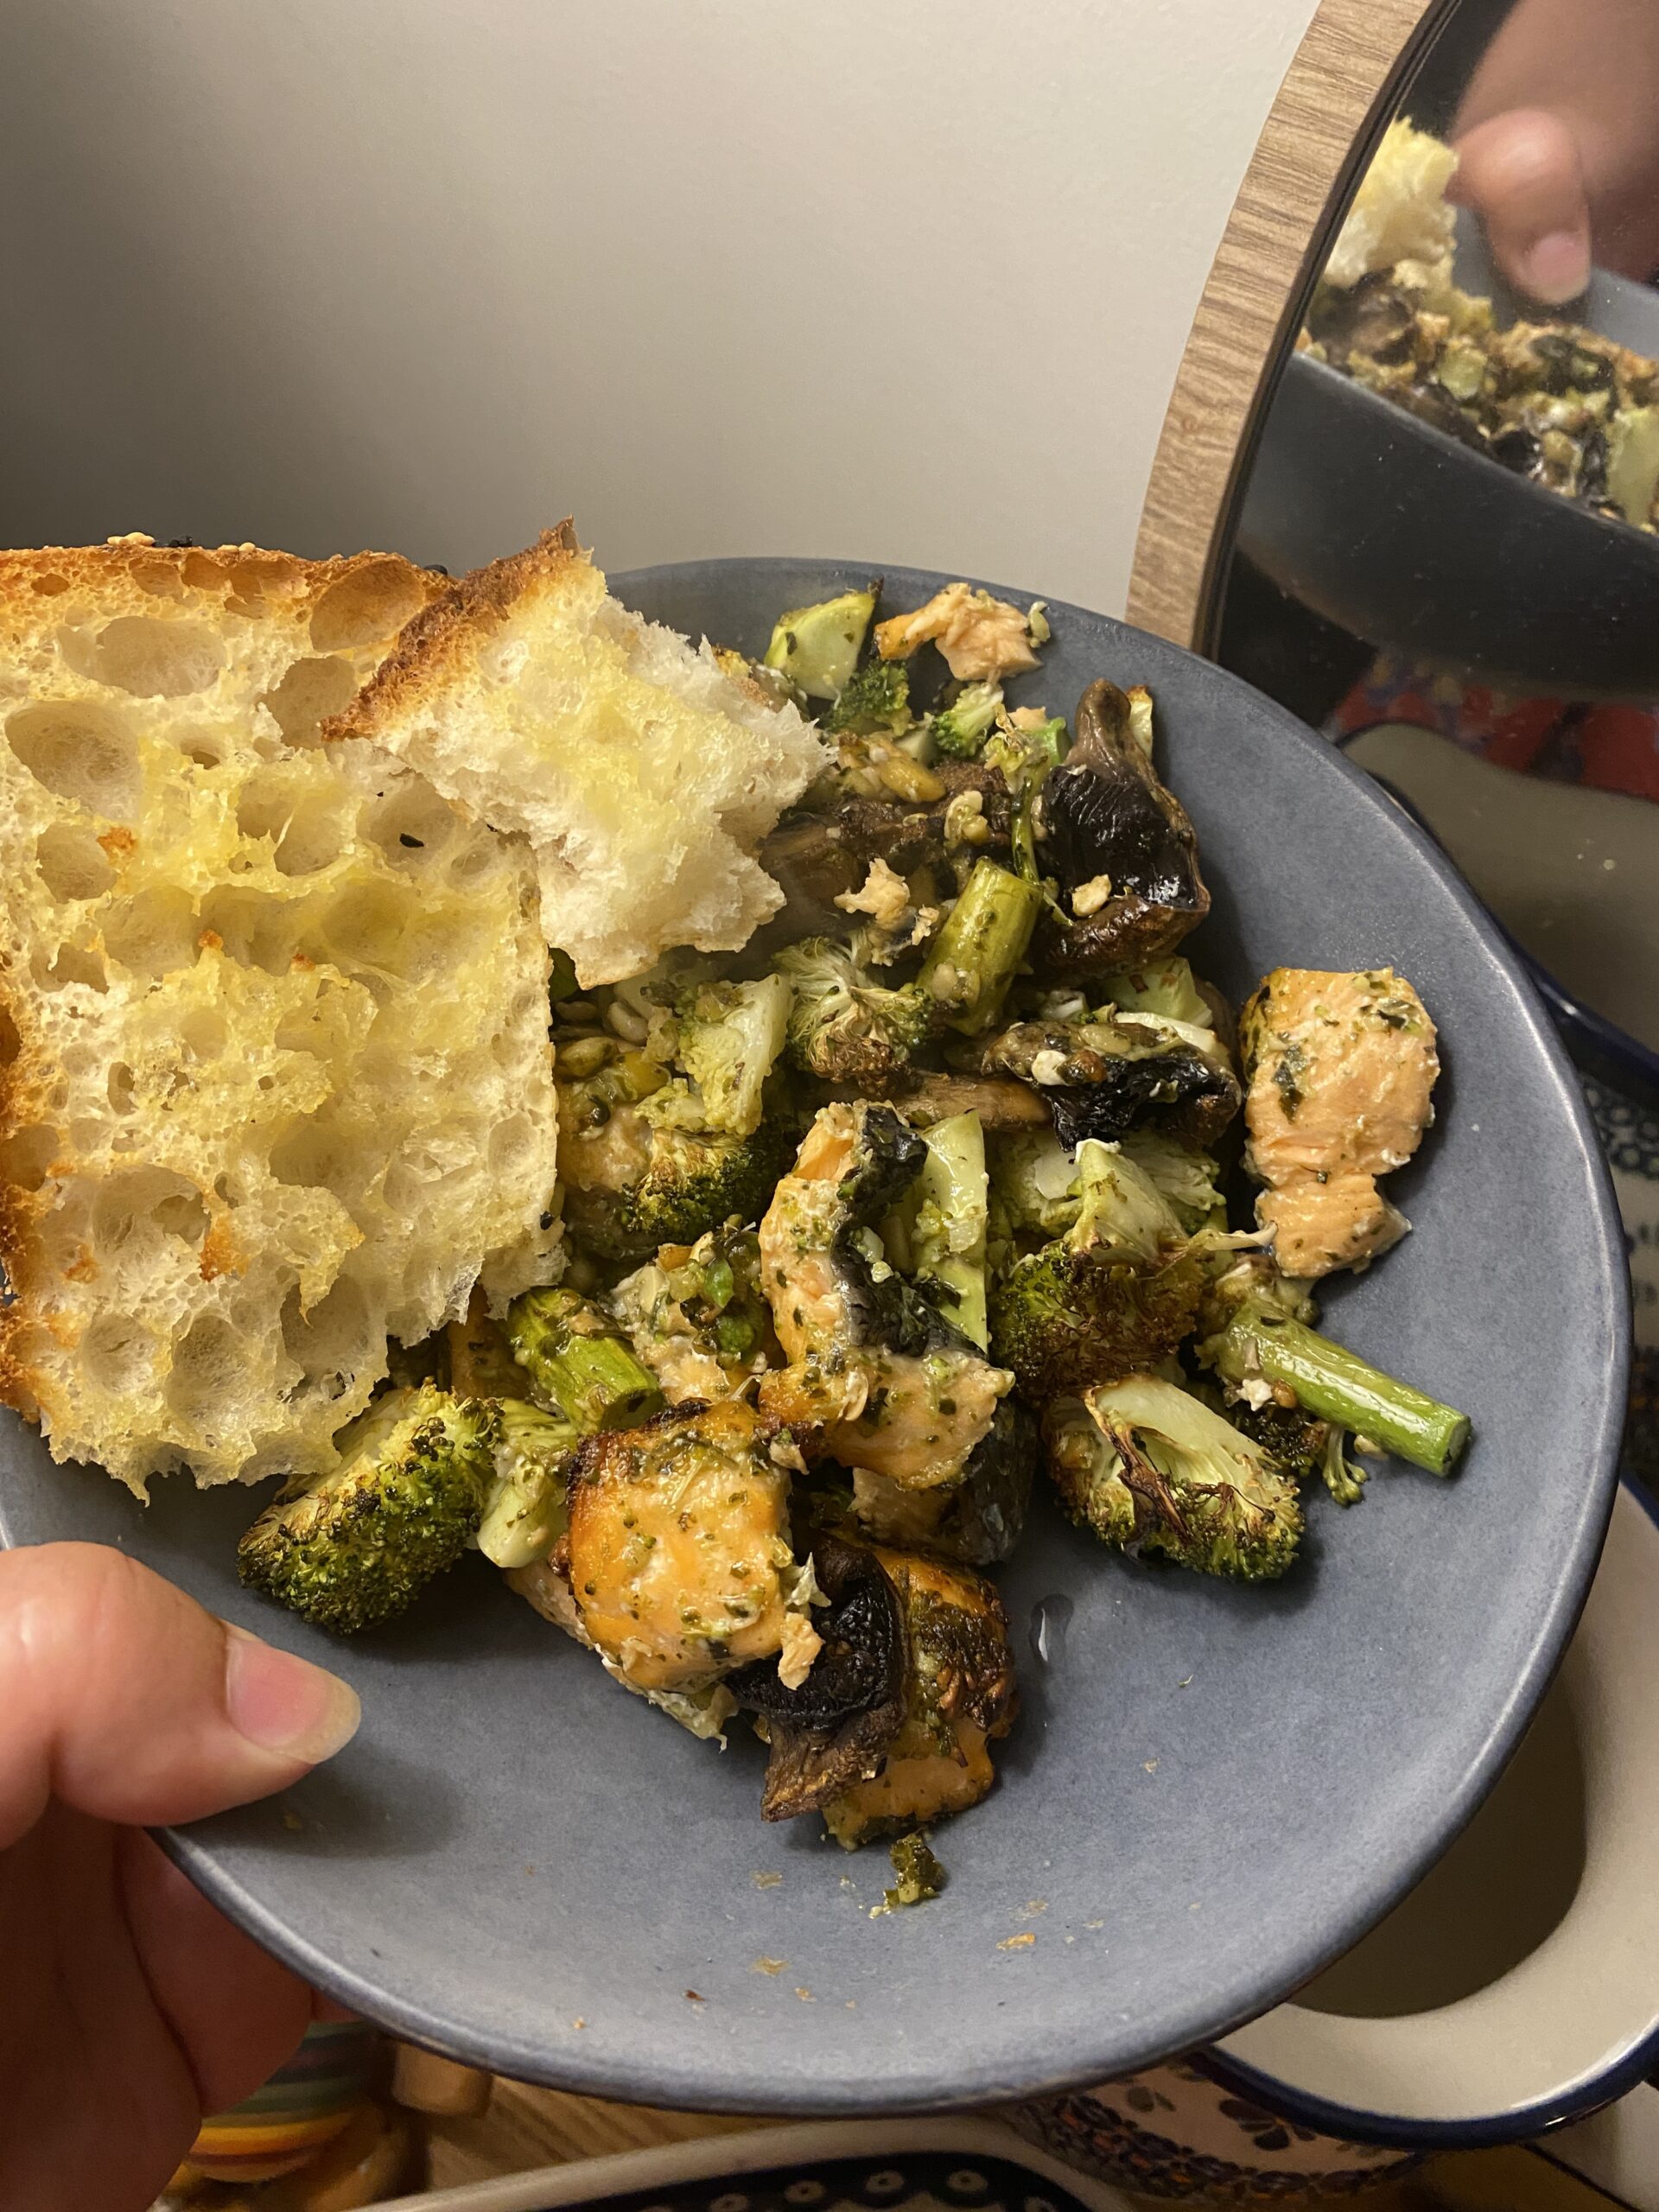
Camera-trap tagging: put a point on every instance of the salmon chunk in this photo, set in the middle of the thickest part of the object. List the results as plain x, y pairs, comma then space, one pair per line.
1339, 1069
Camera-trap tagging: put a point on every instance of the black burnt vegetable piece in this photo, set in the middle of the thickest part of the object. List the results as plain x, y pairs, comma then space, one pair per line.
1436, 407
1108, 829
1102, 1077
834, 1729
980, 1519
820, 851
1372, 318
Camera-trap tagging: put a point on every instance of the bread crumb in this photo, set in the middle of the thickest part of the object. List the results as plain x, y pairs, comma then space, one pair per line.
1017, 1942
768, 1966
763, 1881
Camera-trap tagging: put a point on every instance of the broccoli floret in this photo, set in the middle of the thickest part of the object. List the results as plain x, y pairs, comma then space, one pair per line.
577, 1359
1036, 1179
525, 1509
696, 1180
875, 699
920, 1875
941, 1231
1165, 987
817, 647
730, 1035
960, 730
1257, 1340
1113, 1295
351, 1548
1144, 1463
844, 1025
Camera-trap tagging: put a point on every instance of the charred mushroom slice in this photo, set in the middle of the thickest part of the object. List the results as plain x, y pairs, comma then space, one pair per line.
1373, 318
1111, 1073
1119, 844
833, 1730
999, 1102
822, 853
960, 1695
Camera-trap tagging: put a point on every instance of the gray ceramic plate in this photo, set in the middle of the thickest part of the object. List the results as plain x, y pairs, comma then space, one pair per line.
1211, 1791
1402, 535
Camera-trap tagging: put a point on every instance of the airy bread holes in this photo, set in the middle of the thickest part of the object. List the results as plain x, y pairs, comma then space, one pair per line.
476, 860
161, 579
335, 1336
411, 824
121, 1087
26, 1154
154, 932
511, 1144
73, 864
308, 695
50, 585
201, 572
204, 1034
305, 834
365, 607
154, 659
117, 1351
134, 1208
11, 1042
208, 1369
315, 1155
80, 752
255, 932
74, 963
365, 925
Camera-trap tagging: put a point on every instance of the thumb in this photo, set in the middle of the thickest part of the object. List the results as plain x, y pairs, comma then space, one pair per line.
1522, 174
128, 1702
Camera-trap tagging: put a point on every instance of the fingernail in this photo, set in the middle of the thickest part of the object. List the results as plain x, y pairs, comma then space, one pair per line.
286, 1705
1557, 268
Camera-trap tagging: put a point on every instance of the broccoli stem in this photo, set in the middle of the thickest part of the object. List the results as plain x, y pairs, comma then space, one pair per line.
972, 960
578, 1357
1337, 1386
948, 1235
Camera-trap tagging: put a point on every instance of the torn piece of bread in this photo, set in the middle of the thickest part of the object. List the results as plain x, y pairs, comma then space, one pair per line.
275, 1079
643, 774
1400, 212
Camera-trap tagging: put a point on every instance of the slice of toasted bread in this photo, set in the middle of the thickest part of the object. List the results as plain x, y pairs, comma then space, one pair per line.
274, 1080
641, 772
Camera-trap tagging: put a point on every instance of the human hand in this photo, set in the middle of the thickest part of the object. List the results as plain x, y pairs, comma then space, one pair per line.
128, 2007
1558, 143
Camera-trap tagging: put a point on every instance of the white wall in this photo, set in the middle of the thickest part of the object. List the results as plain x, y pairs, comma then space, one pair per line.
898, 279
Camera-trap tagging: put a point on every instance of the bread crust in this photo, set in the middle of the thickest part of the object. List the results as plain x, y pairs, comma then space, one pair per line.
250, 571
434, 646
